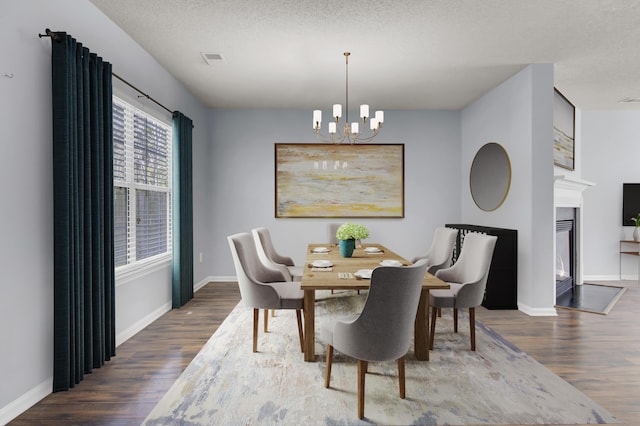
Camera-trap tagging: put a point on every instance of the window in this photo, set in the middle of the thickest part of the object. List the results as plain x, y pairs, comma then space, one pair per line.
142, 185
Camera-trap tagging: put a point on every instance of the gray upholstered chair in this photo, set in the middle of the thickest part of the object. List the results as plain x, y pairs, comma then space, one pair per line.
269, 255
332, 228
261, 287
439, 254
468, 280
384, 328
260, 234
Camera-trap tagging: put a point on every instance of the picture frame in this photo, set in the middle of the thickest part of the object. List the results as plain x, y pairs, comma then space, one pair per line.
339, 181
564, 126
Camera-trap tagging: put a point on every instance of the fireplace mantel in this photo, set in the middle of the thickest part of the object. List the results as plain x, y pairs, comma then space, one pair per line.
568, 191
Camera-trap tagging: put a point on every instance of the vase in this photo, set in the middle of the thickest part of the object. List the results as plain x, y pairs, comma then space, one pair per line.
347, 247
636, 234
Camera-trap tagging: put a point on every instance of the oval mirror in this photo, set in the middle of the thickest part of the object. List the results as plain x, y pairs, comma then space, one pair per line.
490, 176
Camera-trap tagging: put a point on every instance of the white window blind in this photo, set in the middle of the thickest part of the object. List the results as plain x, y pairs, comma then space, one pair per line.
142, 181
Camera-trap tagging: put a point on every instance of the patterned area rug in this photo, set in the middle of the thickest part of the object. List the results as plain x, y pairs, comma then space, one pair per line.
228, 384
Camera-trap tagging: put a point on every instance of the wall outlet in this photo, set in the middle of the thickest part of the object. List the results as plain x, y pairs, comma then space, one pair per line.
201, 257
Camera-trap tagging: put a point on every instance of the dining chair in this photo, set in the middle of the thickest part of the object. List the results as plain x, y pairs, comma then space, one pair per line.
439, 254
467, 279
258, 238
268, 252
261, 287
332, 228
384, 328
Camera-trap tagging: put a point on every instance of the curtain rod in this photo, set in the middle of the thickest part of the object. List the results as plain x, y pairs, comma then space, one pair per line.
57, 36
141, 92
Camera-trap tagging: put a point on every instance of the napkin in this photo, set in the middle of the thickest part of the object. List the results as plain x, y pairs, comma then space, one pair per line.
316, 269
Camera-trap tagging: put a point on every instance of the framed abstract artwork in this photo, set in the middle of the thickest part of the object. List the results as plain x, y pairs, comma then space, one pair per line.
564, 125
328, 180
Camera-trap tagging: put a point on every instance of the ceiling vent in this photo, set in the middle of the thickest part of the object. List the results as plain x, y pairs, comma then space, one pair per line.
629, 101
212, 58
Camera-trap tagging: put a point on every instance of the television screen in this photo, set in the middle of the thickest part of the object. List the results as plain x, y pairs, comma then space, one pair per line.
630, 202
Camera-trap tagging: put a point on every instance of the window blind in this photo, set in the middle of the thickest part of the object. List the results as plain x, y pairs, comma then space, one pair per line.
142, 180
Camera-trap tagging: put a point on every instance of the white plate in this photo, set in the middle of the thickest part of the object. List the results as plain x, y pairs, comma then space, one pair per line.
321, 250
372, 250
364, 273
321, 263
391, 262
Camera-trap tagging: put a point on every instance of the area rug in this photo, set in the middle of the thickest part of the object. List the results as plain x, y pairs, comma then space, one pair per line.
228, 384
594, 298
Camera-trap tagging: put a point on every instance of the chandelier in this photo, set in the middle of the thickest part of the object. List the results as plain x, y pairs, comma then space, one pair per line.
350, 132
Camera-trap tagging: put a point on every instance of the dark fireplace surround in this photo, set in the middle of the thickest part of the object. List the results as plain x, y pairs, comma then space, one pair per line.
566, 262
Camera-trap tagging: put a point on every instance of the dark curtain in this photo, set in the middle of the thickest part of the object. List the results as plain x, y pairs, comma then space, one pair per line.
182, 208
84, 309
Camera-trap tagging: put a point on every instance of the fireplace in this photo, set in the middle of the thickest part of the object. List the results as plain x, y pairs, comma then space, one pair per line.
565, 250
568, 203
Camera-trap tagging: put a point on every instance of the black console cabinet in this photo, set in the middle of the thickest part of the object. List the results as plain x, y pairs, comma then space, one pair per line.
502, 283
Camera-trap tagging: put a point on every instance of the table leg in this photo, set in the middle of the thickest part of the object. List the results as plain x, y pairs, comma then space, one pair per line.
421, 328
309, 325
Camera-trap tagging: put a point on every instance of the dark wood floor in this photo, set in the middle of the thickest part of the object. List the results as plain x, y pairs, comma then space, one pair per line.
600, 355
125, 390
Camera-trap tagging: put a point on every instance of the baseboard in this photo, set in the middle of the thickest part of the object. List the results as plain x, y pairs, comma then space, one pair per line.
26, 401
223, 279
143, 323
197, 286
537, 312
587, 278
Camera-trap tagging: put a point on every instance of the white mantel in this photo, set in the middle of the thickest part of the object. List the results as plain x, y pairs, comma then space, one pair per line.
567, 191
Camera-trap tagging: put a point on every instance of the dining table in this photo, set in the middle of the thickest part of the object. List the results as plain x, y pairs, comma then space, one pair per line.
326, 269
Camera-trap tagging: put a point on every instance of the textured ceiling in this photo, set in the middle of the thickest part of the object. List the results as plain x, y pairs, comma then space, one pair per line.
411, 54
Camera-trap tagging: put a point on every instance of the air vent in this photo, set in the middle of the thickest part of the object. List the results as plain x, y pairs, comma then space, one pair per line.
629, 101
212, 58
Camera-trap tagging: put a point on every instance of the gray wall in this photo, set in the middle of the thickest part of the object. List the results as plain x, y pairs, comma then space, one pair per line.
518, 114
242, 186
610, 153
26, 255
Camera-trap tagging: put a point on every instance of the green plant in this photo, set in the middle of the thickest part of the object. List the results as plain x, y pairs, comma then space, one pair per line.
352, 231
636, 220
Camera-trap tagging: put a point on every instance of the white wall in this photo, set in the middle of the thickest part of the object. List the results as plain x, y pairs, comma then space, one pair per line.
518, 114
610, 153
242, 187
26, 254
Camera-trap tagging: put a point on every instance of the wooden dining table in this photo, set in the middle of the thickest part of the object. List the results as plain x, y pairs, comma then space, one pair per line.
342, 276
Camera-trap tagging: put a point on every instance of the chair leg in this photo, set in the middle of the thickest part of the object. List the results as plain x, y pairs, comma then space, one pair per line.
439, 312
300, 333
472, 327
362, 369
255, 329
455, 320
266, 320
434, 314
401, 376
327, 370
273, 313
